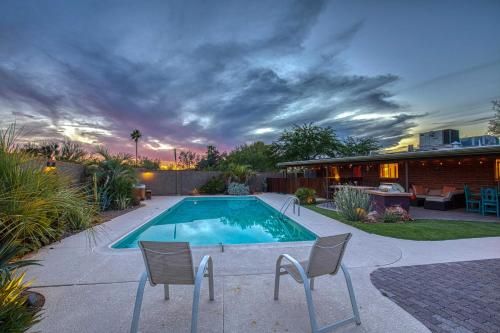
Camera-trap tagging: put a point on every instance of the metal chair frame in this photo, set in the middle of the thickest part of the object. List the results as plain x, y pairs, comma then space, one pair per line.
308, 284
205, 269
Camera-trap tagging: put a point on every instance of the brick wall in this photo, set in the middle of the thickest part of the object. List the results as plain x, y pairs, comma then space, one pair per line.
475, 172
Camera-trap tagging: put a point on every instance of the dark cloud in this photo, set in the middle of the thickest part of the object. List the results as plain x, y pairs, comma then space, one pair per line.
96, 82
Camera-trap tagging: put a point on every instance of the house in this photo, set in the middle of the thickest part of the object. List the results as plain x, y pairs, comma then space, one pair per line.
475, 166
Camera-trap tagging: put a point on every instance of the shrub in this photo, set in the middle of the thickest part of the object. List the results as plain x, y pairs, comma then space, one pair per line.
238, 189
214, 185
306, 195
15, 314
149, 164
352, 203
238, 173
36, 206
113, 179
395, 214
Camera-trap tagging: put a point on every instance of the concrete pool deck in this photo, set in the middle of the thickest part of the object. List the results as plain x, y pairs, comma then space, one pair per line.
91, 288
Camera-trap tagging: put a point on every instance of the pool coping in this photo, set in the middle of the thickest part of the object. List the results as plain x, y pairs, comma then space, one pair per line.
110, 250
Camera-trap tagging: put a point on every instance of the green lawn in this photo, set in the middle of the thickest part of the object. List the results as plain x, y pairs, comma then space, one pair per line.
421, 229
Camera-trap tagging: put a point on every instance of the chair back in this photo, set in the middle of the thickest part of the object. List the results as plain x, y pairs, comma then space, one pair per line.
489, 194
326, 255
468, 195
168, 262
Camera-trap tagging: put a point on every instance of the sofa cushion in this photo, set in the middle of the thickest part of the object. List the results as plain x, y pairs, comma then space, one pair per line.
419, 189
436, 198
447, 189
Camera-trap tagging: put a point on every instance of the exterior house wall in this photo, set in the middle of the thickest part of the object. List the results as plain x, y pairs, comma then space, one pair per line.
476, 172
470, 171
434, 173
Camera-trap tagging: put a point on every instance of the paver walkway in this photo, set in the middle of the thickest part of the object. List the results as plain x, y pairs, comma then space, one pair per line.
450, 297
453, 214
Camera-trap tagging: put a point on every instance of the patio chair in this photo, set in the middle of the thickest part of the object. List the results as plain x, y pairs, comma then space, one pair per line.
471, 204
325, 258
489, 201
172, 263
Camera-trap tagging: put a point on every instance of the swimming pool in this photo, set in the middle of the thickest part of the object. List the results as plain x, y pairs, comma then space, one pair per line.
215, 220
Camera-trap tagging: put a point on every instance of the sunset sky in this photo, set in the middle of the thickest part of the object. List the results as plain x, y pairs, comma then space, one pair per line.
190, 73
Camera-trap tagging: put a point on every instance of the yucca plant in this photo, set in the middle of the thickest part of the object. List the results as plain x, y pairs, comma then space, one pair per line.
353, 204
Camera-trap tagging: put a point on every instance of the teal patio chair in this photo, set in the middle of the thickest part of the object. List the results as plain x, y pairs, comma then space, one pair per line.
489, 201
471, 204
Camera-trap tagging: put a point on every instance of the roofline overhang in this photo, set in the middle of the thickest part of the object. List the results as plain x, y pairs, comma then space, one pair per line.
458, 152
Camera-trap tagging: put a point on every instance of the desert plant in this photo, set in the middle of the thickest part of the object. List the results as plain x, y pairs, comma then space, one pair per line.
43, 149
214, 185
122, 202
115, 178
15, 315
306, 195
238, 173
34, 203
72, 152
395, 214
238, 189
8, 264
352, 203
149, 164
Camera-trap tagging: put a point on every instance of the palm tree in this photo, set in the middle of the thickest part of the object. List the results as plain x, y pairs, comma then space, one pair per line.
135, 135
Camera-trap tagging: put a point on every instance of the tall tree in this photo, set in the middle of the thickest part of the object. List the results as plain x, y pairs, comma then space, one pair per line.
306, 142
136, 135
494, 124
211, 159
258, 156
358, 146
188, 159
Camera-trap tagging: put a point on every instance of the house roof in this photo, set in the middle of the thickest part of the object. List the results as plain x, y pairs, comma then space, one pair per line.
456, 152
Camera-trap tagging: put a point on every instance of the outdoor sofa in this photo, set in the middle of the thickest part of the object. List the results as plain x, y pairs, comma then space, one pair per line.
445, 198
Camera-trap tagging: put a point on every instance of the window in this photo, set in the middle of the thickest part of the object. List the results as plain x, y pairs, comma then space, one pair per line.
389, 170
497, 169
334, 173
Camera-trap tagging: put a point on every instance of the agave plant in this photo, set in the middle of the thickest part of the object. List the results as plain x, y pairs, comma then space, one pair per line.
352, 203
15, 315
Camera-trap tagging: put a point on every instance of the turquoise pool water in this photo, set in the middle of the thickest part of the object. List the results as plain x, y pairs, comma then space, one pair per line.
214, 220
